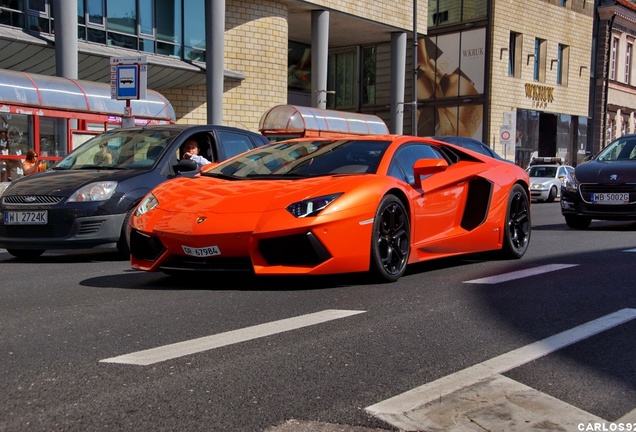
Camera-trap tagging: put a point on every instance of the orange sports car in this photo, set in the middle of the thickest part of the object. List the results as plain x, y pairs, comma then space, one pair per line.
325, 205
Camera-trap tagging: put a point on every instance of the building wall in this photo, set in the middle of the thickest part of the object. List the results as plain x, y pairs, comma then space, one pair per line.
256, 45
571, 26
398, 13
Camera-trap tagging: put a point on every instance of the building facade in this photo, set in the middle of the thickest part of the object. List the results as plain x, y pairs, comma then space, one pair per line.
614, 92
518, 76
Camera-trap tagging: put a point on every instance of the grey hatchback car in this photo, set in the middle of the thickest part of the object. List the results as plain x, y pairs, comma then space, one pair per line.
86, 200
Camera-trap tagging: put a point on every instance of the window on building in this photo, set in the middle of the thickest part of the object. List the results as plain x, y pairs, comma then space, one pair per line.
628, 63
443, 12
563, 60
368, 75
342, 78
194, 32
39, 16
514, 54
539, 60
613, 59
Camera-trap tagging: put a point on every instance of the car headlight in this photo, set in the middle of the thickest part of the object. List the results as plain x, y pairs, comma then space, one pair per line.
569, 182
311, 206
147, 204
4, 186
98, 191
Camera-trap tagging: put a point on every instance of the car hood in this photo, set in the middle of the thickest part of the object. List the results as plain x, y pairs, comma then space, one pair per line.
606, 172
255, 196
65, 183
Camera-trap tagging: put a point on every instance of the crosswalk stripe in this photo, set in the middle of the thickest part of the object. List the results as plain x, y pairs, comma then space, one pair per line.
506, 277
179, 349
399, 409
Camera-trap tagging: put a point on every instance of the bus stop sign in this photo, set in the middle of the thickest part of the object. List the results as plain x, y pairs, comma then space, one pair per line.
128, 77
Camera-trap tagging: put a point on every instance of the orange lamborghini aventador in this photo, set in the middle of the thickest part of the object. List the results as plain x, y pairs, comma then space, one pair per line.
324, 205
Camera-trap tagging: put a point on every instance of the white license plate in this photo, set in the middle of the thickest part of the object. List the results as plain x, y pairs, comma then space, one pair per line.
611, 198
202, 252
39, 217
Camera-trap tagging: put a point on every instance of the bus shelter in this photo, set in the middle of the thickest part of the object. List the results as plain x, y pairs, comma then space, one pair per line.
53, 115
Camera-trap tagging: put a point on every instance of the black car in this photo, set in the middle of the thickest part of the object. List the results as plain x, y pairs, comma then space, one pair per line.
470, 144
86, 199
603, 188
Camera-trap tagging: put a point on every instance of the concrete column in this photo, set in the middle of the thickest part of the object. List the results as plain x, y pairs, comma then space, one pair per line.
65, 12
319, 57
214, 61
398, 74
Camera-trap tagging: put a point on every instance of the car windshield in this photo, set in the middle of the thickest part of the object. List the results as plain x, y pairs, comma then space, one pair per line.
305, 159
621, 149
120, 149
542, 171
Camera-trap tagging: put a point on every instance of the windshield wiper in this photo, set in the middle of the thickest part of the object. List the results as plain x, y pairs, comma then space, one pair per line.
99, 167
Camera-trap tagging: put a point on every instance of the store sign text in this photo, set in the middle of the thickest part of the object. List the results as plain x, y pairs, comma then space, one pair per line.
540, 95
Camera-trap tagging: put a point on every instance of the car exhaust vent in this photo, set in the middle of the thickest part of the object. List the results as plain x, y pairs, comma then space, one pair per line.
145, 247
294, 250
31, 199
88, 228
477, 203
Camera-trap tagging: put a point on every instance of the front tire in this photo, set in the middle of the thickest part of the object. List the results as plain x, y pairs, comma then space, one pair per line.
390, 240
553, 194
26, 254
518, 225
123, 244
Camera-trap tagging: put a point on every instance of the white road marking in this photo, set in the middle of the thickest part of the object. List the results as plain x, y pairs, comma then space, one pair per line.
401, 409
521, 274
179, 349
630, 250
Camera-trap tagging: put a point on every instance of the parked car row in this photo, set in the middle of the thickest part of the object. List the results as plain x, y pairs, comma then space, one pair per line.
310, 205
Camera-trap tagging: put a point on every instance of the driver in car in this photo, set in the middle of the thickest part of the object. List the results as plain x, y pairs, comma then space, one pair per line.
190, 150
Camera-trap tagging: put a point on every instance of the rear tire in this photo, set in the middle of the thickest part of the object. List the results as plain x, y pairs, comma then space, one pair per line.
577, 222
518, 225
25, 253
390, 239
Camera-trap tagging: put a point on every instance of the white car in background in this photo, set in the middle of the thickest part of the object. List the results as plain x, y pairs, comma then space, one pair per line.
546, 175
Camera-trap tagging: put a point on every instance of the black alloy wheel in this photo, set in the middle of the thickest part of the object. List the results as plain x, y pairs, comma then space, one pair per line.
391, 239
518, 224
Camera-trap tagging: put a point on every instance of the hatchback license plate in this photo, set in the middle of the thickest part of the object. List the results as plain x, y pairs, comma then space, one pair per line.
611, 198
202, 252
39, 217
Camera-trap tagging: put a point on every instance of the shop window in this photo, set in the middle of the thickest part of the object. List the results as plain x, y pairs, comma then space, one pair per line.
16, 139
53, 137
443, 12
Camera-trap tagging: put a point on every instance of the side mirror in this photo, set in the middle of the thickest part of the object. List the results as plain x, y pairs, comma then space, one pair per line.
185, 165
426, 167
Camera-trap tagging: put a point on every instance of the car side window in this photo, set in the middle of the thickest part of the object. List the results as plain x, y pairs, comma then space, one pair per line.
401, 166
233, 144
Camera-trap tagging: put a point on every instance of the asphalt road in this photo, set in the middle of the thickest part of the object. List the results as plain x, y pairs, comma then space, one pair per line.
292, 354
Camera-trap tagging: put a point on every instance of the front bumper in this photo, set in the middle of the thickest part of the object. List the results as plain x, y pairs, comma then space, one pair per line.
572, 203
69, 233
